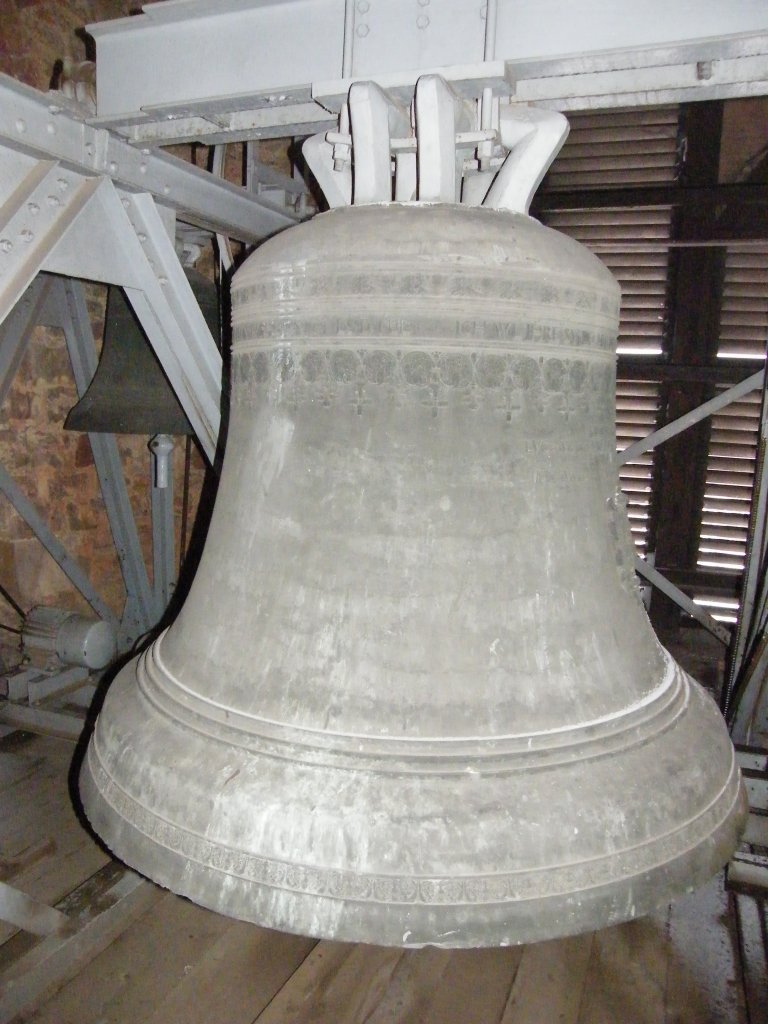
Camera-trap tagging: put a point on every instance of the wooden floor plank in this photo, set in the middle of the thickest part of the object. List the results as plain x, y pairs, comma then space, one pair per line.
303, 994
415, 983
627, 972
138, 971
754, 956
705, 981
475, 986
37, 813
338, 984
238, 977
549, 982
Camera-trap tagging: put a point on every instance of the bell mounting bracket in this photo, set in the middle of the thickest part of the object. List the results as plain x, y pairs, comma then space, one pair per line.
437, 148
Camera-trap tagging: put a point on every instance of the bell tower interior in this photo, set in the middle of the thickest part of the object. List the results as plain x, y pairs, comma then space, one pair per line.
380, 638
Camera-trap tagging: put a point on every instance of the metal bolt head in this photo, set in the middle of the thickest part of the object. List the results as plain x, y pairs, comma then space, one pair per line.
422, 21
53, 201
33, 208
26, 235
704, 70
5, 245
362, 31
363, 6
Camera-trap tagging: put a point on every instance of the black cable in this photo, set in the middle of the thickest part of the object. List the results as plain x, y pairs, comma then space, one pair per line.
12, 602
11, 629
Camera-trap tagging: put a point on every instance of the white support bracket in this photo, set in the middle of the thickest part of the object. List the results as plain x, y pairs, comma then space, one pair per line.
444, 123
533, 138
375, 120
476, 151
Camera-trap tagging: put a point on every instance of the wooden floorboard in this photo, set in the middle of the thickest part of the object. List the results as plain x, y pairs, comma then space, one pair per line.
627, 974
549, 982
705, 980
751, 925
131, 978
239, 976
46, 850
180, 963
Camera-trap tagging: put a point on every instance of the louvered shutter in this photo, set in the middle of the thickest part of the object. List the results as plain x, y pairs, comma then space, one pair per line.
617, 148
620, 149
637, 410
744, 316
614, 235
735, 429
728, 490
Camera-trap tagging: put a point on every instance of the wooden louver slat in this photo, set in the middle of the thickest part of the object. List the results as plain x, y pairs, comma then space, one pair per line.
728, 488
744, 314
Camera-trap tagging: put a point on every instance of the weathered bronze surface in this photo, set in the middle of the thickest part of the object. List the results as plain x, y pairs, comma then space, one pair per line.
413, 696
129, 393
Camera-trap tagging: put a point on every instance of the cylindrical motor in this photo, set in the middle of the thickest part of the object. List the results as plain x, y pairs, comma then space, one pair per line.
73, 638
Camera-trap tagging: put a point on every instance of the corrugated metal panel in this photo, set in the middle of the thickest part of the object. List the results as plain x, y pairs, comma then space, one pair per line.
617, 148
744, 315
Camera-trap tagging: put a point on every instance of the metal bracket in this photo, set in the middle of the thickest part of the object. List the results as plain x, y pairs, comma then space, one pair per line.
66, 309
476, 152
60, 303
163, 536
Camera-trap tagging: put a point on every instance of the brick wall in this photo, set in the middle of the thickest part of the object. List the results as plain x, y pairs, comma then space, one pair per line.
55, 467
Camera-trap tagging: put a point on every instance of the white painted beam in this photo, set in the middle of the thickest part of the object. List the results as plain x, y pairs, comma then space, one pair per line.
261, 62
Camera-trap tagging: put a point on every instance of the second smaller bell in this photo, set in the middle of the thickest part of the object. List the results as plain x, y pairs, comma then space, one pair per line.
129, 393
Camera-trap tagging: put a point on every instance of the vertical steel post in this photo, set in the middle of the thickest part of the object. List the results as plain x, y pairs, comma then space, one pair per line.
163, 538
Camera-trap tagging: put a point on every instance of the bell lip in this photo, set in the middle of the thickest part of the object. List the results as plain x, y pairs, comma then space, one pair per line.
556, 900
456, 926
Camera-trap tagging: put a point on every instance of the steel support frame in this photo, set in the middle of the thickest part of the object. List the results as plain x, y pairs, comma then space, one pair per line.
58, 215
60, 303
58, 220
163, 532
66, 309
43, 127
651, 441
223, 68
749, 662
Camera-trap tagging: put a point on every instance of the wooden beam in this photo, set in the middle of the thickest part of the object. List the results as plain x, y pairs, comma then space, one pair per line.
103, 907
695, 298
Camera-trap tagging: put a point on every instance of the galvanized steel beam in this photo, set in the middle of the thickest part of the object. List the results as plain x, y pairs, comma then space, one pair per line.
224, 67
42, 127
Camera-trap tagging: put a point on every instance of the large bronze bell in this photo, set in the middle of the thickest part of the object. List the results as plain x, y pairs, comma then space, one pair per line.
413, 696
